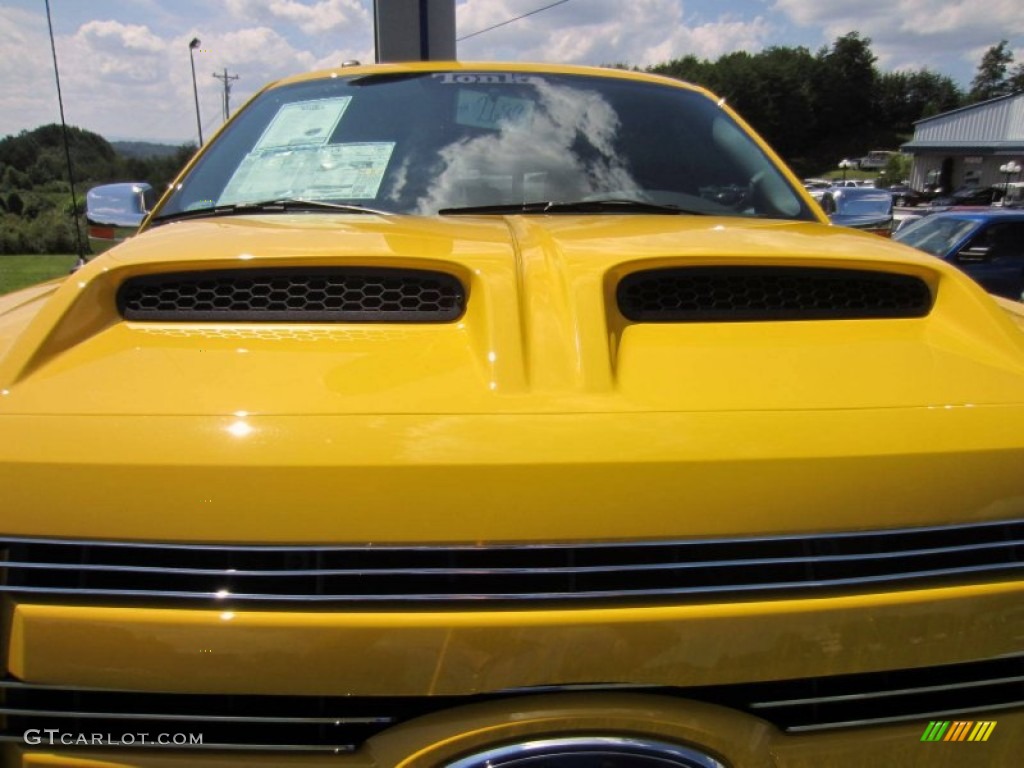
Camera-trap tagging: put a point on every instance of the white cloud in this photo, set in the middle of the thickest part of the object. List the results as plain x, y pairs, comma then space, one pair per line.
125, 66
117, 53
910, 18
119, 38
335, 58
915, 33
263, 53
312, 18
713, 40
128, 80
28, 95
641, 32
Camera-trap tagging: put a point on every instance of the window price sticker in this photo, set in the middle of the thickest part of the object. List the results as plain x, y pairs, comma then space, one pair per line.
303, 123
480, 110
334, 172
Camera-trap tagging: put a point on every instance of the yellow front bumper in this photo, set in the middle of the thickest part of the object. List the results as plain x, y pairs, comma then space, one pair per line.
465, 652
382, 653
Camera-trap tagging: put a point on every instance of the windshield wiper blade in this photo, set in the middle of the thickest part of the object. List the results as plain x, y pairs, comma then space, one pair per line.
614, 205
281, 205
496, 208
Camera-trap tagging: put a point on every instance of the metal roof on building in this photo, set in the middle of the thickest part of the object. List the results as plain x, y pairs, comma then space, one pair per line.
994, 126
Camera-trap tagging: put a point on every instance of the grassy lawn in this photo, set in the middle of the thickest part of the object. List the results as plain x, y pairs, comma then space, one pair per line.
853, 173
19, 271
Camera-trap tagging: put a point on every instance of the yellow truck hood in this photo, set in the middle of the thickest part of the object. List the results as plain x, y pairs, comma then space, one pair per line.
541, 333
540, 415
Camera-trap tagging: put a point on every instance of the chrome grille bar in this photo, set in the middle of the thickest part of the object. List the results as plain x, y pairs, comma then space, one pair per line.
457, 573
865, 535
342, 723
884, 694
8, 738
234, 722
241, 573
878, 698
226, 596
184, 718
916, 716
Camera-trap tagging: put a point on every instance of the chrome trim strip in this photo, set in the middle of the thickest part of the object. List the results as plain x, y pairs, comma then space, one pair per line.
322, 748
884, 694
734, 696
226, 597
462, 547
17, 685
903, 718
469, 571
197, 718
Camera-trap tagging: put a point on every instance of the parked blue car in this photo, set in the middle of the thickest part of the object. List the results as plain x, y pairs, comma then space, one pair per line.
987, 245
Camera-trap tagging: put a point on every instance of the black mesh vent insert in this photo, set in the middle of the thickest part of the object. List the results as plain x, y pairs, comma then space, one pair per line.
743, 293
295, 294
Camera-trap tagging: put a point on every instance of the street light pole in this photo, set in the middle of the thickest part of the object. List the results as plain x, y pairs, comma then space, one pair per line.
1010, 168
845, 165
195, 90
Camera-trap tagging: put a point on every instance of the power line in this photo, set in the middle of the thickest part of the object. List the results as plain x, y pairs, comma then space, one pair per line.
502, 24
210, 124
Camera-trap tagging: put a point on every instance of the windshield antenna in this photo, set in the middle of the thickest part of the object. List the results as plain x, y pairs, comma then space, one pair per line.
67, 146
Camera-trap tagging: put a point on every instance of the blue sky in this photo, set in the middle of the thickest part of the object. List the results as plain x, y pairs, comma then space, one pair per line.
125, 64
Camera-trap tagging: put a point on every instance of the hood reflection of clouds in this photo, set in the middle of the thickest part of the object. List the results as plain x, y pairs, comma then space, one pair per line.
496, 166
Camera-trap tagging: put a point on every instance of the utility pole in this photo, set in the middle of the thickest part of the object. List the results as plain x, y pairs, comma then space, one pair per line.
226, 79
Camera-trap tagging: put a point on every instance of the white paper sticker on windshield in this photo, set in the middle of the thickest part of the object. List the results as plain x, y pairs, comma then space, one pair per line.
334, 172
480, 110
350, 171
303, 123
266, 176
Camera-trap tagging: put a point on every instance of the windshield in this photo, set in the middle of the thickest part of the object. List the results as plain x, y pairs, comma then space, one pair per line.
935, 235
865, 205
418, 143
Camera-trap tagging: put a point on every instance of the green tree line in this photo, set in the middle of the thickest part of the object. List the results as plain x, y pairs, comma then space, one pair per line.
816, 108
36, 212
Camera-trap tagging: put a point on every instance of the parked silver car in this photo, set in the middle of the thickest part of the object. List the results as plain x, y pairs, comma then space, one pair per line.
864, 208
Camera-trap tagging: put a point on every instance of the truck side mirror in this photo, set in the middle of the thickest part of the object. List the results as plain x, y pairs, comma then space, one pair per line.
114, 212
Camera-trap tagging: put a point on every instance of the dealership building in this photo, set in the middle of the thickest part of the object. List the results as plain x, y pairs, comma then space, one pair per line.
968, 146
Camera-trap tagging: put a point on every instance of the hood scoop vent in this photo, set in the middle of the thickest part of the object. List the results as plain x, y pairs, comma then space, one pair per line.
745, 293
295, 295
